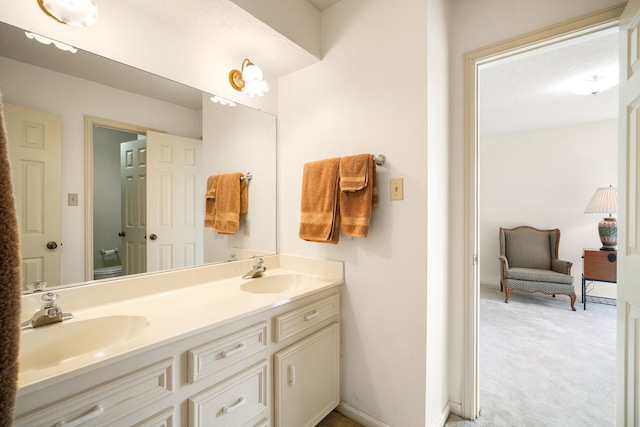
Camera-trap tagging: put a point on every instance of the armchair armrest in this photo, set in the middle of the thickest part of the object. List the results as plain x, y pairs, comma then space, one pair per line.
561, 266
504, 262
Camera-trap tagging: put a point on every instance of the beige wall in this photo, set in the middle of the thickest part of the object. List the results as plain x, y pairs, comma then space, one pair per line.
368, 95
545, 179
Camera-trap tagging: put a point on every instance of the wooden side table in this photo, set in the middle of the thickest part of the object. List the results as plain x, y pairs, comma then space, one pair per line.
598, 266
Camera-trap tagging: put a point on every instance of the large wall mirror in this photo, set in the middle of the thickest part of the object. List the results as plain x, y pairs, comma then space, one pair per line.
99, 105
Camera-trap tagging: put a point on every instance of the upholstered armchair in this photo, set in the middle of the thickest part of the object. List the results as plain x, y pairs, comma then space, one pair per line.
530, 263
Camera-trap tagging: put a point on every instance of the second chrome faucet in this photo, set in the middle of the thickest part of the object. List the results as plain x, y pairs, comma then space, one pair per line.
256, 271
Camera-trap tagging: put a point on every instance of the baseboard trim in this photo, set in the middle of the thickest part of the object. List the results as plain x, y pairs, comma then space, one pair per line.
444, 415
359, 416
455, 408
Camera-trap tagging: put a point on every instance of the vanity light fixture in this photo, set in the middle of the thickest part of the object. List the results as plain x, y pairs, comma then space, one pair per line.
249, 80
222, 101
77, 13
47, 40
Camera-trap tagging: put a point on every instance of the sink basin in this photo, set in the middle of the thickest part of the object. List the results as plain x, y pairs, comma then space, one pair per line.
52, 344
277, 284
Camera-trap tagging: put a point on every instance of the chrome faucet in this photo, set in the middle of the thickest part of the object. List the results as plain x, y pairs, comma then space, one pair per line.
48, 313
257, 270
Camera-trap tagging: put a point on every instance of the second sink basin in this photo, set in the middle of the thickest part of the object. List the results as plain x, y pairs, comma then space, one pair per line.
52, 344
277, 284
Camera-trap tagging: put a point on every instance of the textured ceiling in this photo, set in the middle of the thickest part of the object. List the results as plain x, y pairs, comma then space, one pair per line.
228, 28
529, 91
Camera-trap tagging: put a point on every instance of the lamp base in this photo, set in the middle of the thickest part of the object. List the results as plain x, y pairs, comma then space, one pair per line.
608, 231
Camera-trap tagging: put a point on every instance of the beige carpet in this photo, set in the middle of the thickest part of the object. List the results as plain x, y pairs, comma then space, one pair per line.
336, 419
543, 365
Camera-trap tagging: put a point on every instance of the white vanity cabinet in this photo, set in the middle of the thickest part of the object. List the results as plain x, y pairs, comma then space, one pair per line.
278, 366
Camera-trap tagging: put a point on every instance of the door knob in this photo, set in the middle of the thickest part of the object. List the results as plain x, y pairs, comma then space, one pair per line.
122, 234
153, 237
52, 245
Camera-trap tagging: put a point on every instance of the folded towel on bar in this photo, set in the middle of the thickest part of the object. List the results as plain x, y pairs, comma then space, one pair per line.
227, 198
210, 201
319, 207
358, 195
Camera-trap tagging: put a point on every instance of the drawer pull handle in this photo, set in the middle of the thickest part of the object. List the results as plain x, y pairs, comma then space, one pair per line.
292, 375
311, 315
96, 411
238, 349
230, 409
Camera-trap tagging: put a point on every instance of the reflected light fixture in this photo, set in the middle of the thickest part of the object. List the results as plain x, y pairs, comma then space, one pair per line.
47, 41
249, 80
605, 200
77, 13
223, 101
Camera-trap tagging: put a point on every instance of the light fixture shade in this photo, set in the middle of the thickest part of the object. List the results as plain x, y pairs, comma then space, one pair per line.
250, 80
77, 13
605, 200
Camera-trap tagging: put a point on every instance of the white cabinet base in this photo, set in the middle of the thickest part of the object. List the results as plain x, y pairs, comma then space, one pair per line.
307, 379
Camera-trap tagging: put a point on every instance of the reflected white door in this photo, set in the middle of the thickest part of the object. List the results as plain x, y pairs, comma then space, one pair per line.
35, 141
628, 323
133, 192
175, 202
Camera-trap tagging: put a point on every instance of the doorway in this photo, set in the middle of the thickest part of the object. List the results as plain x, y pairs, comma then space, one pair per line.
473, 61
119, 211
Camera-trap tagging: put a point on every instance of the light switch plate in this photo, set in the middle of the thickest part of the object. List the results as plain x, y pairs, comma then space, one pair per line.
397, 188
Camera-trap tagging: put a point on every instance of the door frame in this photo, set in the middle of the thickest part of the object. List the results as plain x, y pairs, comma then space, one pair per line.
580, 26
89, 123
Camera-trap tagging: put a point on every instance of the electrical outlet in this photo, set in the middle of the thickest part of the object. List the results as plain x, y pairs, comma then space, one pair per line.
247, 227
72, 199
397, 188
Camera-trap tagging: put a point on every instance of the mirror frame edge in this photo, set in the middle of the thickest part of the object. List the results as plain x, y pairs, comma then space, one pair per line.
89, 123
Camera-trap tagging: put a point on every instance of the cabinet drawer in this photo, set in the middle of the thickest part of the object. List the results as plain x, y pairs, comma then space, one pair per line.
238, 401
213, 356
297, 321
600, 265
100, 405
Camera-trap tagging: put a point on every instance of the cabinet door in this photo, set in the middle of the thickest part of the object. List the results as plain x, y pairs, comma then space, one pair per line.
307, 377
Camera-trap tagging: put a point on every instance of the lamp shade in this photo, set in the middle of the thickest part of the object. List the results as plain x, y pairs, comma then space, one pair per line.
605, 200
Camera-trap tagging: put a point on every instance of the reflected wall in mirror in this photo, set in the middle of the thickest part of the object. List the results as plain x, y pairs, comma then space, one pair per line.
234, 139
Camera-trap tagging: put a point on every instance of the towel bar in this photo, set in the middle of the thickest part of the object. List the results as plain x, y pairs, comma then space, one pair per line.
248, 176
380, 159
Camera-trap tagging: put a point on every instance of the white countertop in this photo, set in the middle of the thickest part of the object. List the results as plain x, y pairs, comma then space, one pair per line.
175, 304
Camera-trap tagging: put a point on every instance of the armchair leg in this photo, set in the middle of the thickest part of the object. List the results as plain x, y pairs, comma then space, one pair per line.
507, 291
573, 301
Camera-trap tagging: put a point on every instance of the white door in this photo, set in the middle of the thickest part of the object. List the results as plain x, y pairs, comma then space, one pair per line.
175, 202
35, 141
133, 193
628, 323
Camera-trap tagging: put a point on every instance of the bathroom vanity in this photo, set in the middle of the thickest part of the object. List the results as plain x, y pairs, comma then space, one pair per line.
221, 351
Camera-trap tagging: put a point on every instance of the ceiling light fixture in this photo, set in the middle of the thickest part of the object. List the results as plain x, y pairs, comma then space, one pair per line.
595, 83
77, 13
250, 80
47, 41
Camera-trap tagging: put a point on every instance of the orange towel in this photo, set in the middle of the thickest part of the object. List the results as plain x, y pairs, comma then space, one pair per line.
210, 201
358, 195
227, 198
319, 207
